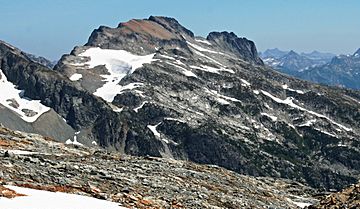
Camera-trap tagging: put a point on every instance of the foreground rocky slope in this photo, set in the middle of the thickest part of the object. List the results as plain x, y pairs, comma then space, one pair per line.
150, 87
32, 161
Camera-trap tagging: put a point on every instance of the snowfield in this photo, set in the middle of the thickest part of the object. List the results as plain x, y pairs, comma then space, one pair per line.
11, 98
119, 63
39, 199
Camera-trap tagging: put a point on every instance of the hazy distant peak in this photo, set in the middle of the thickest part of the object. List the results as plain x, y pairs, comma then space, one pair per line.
357, 53
275, 53
293, 53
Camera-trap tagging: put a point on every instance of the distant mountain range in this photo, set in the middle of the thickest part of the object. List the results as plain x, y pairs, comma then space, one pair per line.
290, 61
324, 68
343, 71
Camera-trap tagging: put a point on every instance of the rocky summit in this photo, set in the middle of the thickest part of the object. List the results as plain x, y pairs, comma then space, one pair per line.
151, 87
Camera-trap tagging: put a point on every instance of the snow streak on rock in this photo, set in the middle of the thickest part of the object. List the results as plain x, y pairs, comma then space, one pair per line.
289, 101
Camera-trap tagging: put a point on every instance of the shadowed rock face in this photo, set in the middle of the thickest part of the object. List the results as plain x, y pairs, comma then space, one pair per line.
209, 101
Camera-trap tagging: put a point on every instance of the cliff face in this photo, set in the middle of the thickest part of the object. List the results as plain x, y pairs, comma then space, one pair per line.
150, 87
242, 47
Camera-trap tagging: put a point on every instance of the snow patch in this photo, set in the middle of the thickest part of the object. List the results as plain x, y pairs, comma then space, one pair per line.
325, 132
76, 77
222, 99
29, 110
203, 41
308, 123
153, 129
300, 204
141, 106
21, 152
40, 199
271, 62
273, 118
167, 57
245, 82
202, 49
175, 119
209, 58
212, 69
75, 142
157, 134
116, 108
341, 144
244, 127
286, 87
186, 72
353, 99
119, 63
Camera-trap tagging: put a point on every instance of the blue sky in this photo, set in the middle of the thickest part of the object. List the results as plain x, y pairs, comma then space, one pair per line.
53, 27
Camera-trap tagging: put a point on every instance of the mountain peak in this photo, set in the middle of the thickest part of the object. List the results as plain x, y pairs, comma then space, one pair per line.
5, 48
229, 41
292, 52
141, 35
147, 28
274, 53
